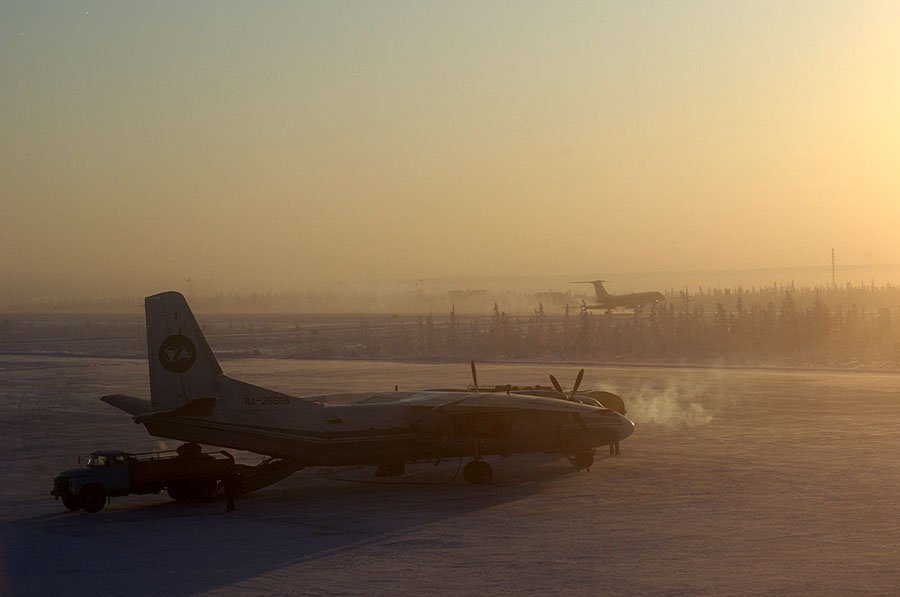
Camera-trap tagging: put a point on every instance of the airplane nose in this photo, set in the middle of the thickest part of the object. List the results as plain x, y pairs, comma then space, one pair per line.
626, 427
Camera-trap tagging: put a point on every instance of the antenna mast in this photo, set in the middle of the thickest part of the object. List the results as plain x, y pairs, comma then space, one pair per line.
833, 279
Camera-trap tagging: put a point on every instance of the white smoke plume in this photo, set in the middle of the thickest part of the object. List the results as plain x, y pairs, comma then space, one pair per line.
677, 404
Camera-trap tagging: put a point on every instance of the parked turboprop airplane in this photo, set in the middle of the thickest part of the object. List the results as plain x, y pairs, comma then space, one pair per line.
609, 301
192, 400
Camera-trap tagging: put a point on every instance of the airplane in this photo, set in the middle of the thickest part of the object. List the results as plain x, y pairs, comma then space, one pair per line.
193, 400
609, 301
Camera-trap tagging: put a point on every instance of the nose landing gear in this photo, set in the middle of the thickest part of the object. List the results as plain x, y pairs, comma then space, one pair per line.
478, 472
582, 460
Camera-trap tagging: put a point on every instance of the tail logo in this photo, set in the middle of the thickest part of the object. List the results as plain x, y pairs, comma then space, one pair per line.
177, 353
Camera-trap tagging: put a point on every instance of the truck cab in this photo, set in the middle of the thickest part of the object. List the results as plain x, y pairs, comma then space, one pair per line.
112, 468
105, 473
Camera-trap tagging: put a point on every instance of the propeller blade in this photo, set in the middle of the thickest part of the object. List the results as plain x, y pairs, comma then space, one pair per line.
474, 375
577, 383
556, 385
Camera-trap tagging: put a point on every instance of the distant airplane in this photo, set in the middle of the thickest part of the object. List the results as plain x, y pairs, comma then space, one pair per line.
609, 301
192, 400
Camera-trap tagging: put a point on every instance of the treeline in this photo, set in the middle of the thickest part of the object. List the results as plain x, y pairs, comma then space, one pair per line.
865, 297
307, 302
740, 327
850, 326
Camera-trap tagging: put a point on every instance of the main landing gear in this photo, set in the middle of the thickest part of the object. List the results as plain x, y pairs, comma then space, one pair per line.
478, 472
393, 468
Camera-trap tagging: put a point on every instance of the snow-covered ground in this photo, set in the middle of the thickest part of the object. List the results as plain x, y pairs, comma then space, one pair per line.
735, 482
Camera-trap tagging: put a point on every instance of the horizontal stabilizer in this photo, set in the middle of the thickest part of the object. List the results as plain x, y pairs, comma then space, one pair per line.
201, 407
130, 404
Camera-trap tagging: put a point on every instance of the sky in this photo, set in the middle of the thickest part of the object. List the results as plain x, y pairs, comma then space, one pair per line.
287, 145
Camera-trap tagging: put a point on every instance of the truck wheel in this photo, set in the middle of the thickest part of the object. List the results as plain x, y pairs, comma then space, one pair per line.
93, 498
202, 489
180, 491
71, 502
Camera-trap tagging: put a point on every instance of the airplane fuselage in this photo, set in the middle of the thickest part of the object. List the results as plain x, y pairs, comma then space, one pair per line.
635, 300
627, 301
376, 428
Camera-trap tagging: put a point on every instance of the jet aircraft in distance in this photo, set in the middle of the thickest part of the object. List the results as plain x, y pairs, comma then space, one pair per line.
193, 400
608, 301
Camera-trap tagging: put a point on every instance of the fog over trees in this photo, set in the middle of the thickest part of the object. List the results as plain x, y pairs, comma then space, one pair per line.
850, 326
772, 326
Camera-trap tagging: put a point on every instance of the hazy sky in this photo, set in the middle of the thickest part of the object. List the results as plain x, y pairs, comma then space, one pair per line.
278, 144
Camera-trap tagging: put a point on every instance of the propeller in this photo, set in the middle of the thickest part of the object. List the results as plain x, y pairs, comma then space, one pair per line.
577, 383
559, 389
556, 385
474, 375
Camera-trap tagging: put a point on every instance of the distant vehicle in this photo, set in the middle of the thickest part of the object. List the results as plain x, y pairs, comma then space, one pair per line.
192, 400
112, 473
608, 302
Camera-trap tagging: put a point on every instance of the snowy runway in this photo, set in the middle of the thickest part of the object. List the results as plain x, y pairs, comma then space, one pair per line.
734, 482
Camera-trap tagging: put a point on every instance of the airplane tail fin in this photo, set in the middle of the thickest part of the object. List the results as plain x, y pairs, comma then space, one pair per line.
598, 288
182, 366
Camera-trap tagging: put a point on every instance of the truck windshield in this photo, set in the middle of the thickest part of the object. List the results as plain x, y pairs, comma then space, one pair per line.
96, 460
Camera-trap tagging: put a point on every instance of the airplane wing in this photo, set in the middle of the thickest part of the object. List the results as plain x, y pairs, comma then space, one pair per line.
499, 415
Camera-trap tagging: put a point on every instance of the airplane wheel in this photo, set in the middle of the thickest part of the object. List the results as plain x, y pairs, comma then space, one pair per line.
583, 460
92, 498
478, 472
71, 502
